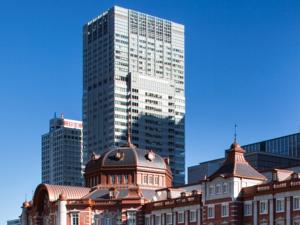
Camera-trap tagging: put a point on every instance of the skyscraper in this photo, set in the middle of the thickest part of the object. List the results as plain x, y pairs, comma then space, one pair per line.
133, 76
62, 156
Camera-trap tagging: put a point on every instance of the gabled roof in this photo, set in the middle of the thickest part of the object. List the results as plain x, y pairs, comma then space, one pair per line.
236, 165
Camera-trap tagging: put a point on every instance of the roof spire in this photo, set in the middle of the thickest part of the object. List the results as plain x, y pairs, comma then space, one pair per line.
235, 134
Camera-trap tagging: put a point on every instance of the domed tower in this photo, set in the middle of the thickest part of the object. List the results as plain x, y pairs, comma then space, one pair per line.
128, 166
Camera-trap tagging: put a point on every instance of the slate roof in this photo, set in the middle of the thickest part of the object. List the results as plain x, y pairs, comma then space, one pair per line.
235, 165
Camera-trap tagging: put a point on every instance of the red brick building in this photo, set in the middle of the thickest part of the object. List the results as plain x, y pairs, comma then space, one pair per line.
128, 185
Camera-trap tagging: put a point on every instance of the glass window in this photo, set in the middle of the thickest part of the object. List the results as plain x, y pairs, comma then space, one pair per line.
120, 179
218, 189
157, 220
169, 219
279, 205
225, 188
126, 179
210, 211
296, 203
263, 207
131, 218
211, 190
180, 217
225, 210
147, 221
145, 179
193, 216
75, 219
113, 179
247, 208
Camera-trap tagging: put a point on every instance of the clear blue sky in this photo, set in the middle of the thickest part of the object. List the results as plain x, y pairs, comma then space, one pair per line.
242, 66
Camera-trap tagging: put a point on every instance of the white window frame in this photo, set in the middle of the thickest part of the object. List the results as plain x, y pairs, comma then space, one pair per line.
298, 199
218, 189
248, 205
147, 220
182, 217
266, 209
169, 222
195, 216
73, 215
212, 207
225, 188
282, 208
157, 219
226, 205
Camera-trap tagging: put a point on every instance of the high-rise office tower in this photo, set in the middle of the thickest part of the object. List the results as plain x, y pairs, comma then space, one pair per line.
133, 76
62, 158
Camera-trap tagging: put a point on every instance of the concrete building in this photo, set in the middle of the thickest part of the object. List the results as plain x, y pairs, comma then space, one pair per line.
62, 157
133, 76
14, 222
132, 186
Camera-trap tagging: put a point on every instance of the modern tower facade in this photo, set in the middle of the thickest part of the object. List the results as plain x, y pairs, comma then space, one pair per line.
133, 76
62, 158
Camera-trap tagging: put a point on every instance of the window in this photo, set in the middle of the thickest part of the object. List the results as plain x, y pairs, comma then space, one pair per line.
119, 179
113, 179
74, 219
263, 207
193, 216
218, 189
180, 217
169, 219
225, 188
248, 208
279, 205
296, 203
131, 217
225, 210
126, 179
147, 220
211, 190
210, 211
145, 179
150, 179
157, 220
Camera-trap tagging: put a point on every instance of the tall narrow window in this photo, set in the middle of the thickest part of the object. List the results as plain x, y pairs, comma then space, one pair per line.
126, 178
131, 218
74, 219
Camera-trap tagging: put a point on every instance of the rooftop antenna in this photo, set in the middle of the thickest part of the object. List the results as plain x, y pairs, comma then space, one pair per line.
235, 133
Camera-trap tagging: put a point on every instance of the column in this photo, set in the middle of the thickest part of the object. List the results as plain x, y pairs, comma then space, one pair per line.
255, 212
198, 216
271, 214
186, 220
62, 210
174, 218
288, 210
